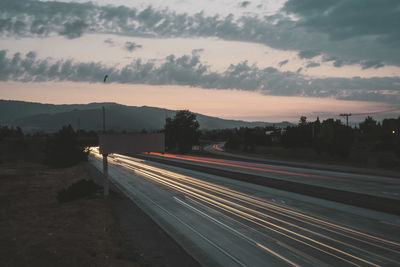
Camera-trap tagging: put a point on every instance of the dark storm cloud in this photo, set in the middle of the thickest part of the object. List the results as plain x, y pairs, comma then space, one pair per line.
334, 29
188, 70
131, 46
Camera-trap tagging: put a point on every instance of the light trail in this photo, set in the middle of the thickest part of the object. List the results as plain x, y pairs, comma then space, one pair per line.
256, 220
222, 198
282, 211
264, 205
216, 147
238, 233
252, 218
220, 162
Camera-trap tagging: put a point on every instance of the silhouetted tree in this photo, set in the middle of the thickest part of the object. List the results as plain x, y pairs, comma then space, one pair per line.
182, 131
390, 135
298, 136
63, 149
12, 132
335, 138
234, 141
369, 126
303, 120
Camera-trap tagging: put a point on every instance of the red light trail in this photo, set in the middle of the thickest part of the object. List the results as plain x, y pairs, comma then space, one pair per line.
226, 163
216, 147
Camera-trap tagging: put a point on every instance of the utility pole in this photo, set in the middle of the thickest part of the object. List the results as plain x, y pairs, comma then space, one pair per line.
104, 120
347, 115
105, 162
106, 186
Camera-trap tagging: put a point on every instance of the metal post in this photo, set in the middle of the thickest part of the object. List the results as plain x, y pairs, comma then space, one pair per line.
105, 162
105, 176
104, 120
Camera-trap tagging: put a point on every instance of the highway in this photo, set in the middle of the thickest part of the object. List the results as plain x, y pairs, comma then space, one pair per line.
227, 222
369, 191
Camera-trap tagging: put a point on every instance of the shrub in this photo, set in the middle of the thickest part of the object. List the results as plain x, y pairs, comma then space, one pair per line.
77, 190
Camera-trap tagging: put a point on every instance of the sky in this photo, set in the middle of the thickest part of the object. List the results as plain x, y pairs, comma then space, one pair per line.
270, 60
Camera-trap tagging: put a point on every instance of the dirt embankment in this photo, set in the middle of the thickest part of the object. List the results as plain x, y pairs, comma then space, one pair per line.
36, 230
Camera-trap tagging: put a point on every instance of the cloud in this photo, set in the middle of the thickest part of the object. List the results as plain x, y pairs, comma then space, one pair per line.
188, 70
74, 29
245, 4
109, 41
197, 51
338, 63
283, 62
318, 30
308, 54
376, 64
343, 19
312, 64
131, 46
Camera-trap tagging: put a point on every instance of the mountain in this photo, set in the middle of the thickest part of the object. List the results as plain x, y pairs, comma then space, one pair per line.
10, 110
49, 118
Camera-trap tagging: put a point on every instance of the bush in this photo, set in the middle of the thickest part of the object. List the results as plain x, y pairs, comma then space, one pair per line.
77, 190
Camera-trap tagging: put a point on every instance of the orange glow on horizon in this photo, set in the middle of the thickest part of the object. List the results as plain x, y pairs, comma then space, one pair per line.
227, 104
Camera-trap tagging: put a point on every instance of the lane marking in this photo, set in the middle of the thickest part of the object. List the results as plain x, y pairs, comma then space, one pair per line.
258, 202
192, 191
121, 187
250, 240
181, 188
185, 186
314, 261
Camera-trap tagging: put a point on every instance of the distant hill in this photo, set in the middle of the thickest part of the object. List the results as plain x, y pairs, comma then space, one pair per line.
47, 117
10, 110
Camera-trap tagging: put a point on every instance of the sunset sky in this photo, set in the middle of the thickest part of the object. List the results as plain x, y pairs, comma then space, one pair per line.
270, 60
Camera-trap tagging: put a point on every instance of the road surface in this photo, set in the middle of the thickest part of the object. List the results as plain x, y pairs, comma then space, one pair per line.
226, 222
368, 191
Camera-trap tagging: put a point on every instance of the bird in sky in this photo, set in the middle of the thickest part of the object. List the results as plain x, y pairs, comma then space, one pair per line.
105, 78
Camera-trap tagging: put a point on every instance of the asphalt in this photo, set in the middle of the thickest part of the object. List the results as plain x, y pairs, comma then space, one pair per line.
138, 235
226, 222
302, 164
382, 204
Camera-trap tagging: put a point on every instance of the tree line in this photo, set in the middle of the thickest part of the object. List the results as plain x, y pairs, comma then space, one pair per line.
330, 136
63, 148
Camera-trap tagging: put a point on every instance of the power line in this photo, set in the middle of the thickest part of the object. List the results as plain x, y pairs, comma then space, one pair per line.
377, 112
347, 115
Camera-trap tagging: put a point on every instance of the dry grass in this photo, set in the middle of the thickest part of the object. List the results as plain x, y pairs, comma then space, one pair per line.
36, 230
